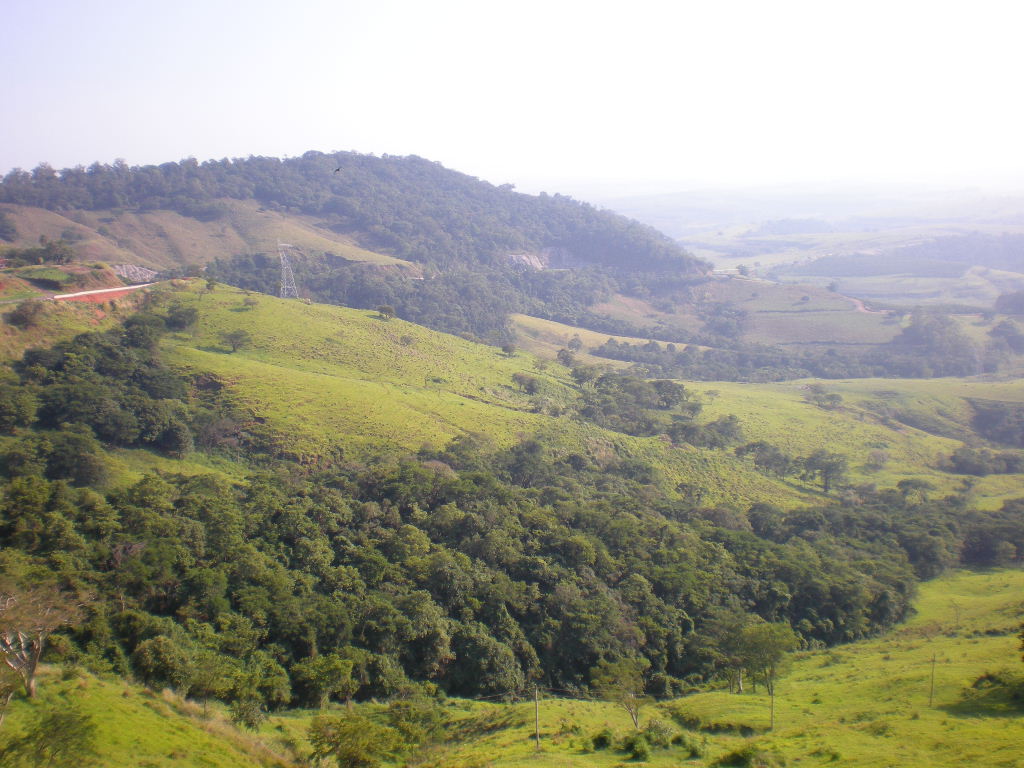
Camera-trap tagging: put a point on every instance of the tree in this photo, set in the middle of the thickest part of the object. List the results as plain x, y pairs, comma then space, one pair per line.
763, 647
526, 382
28, 616
210, 676
724, 640
8, 231
161, 661
9, 684
829, 467
237, 339
483, 664
418, 718
622, 682
509, 349
385, 311
913, 485
566, 358
352, 740
17, 407
321, 677
180, 317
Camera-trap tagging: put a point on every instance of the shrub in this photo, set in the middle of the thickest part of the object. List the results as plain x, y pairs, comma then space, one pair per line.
751, 756
659, 733
691, 745
603, 739
637, 746
27, 314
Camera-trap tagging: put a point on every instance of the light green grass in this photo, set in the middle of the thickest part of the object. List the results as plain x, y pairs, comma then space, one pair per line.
136, 728
780, 415
545, 338
763, 296
777, 313
14, 288
61, 321
978, 287
320, 377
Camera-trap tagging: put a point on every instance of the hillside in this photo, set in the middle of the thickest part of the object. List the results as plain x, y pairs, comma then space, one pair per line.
445, 249
318, 378
167, 240
864, 704
407, 206
310, 462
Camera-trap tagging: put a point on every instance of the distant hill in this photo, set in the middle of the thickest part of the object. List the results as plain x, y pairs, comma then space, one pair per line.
485, 251
943, 257
404, 206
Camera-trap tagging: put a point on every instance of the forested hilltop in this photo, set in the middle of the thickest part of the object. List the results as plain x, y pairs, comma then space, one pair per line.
479, 245
407, 206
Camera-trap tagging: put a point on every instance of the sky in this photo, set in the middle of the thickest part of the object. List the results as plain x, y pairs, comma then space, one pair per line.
556, 95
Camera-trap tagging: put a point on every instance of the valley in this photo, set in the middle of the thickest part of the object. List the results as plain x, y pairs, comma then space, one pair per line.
366, 524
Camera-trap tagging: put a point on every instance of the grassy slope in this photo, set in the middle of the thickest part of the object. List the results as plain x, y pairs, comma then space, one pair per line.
545, 338
164, 239
917, 422
319, 378
321, 375
61, 321
136, 728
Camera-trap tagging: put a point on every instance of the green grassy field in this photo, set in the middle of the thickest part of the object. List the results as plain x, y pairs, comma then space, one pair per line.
139, 728
318, 376
545, 338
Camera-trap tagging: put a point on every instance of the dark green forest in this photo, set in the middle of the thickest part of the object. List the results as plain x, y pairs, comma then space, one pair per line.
465, 567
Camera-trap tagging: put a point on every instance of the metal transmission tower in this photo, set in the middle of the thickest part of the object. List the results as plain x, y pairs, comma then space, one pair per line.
288, 289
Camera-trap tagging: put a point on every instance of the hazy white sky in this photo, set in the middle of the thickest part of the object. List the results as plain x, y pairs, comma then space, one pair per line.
554, 95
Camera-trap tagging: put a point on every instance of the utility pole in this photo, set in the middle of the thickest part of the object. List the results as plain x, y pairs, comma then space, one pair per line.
931, 690
536, 715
